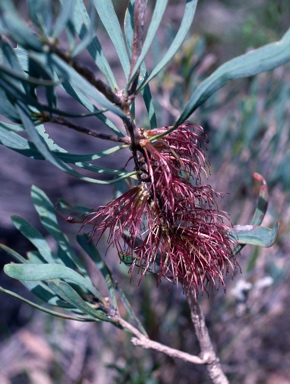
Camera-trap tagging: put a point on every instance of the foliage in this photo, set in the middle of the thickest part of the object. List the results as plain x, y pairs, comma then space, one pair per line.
39, 62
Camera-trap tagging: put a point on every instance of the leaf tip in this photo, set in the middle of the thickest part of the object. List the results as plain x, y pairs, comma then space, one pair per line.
257, 176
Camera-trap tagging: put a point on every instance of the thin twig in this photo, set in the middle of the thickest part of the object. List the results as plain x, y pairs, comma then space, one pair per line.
87, 131
207, 352
144, 342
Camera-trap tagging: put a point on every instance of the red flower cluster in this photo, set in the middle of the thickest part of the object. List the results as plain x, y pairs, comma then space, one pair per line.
167, 224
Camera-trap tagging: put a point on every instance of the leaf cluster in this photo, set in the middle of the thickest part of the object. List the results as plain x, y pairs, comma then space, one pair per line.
59, 278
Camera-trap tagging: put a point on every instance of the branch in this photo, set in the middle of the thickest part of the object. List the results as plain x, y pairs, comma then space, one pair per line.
144, 342
87, 131
207, 352
139, 21
88, 75
175, 353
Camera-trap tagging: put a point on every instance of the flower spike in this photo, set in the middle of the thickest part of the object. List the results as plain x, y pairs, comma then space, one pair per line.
166, 223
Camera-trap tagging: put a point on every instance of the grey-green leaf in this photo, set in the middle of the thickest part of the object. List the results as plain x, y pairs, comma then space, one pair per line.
159, 10
186, 22
43, 309
64, 17
86, 243
82, 23
111, 23
36, 238
252, 63
12, 25
255, 235
261, 208
40, 272
13, 253
47, 216
67, 293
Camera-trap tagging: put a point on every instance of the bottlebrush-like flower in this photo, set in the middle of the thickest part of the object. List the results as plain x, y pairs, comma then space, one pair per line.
167, 224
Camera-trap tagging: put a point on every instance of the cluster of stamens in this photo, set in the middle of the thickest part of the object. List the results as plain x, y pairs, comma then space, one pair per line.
170, 223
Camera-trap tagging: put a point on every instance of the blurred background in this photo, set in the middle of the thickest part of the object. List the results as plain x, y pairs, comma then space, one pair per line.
249, 131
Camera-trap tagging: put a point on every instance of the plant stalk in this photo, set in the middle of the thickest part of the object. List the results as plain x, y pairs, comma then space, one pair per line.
207, 351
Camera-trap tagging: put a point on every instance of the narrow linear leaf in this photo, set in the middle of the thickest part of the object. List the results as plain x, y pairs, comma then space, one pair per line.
11, 127
262, 205
38, 288
86, 243
82, 21
67, 293
186, 22
252, 63
12, 140
129, 34
40, 12
103, 170
83, 100
86, 35
43, 74
7, 109
73, 158
76, 92
261, 208
27, 79
40, 144
12, 25
72, 214
63, 18
10, 59
43, 309
146, 93
39, 141
159, 10
19, 144
113, 286
22, 56
130, 309
36, 238
17, 91
14, 254
111, 23
53, 147
253, 260
45, 210
83, 86
129, 26
40, 272
44, 293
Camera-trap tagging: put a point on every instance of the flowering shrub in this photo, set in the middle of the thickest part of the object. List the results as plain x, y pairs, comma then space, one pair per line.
168, 222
